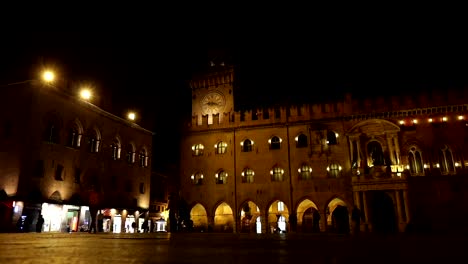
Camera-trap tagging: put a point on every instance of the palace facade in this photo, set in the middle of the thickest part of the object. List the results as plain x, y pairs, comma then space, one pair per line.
71, 162
400, 160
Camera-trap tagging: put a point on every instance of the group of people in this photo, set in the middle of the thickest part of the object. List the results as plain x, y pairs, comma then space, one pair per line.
25, 224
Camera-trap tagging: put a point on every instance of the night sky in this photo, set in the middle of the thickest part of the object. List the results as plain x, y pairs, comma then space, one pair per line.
148, 73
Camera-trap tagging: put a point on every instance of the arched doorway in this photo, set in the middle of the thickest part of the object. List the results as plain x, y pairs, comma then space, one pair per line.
199, 217
224, 219
250, 218
306, 211
338, 216
277, 215
382, 213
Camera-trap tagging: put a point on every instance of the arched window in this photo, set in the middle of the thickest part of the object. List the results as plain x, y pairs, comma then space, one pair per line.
275, 142
248, 175
94, 141
305, 172
74, 135
301, 141
143, 158
277, 174
416, 165
332, 137
334, 170
221, 147
247, 145
374, 150
197, 178
221, 177
116, 149
447, 165
197, 150
52, 132
130, 153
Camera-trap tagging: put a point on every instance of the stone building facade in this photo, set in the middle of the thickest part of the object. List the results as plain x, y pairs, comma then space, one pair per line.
398, 162
70, 161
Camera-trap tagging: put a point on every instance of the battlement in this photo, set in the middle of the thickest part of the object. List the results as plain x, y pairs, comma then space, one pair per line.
213, 79
431, 102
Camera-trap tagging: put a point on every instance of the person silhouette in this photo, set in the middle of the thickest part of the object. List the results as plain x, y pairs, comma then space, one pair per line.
40, 222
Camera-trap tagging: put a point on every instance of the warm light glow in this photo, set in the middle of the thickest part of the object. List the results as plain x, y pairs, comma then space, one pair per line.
430, 120
85, 94
457, 164
131, 116
460, 117
402, 122
444, 118
415, 121
48, 76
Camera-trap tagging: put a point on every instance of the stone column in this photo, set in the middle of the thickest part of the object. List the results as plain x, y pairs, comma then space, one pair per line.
406, 204
366, 211
390, 149
397, 149
398, 203
357, 201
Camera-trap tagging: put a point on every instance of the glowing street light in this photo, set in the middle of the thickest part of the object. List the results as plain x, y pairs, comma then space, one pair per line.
85, 94
131, 116
48, 76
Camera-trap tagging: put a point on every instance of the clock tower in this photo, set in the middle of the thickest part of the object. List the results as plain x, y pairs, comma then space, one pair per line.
212, 92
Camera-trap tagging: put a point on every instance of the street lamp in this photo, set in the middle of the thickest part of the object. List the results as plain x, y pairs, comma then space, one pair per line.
131, 116
48, 76
85, 94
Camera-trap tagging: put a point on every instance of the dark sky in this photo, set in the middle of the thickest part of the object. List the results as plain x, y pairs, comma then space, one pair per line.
148, 72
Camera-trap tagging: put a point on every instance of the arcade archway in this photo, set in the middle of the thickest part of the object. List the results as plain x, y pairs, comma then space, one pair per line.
382, 213
224, 219
250, 218
277, 215
199, 217
308, 216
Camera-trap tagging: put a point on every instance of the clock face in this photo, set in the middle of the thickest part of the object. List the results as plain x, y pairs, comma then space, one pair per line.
212, 103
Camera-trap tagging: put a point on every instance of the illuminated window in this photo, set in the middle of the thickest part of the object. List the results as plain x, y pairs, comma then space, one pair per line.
130, 154
197, 150
197, 178
275, 142
221, 147
277, 174
143, 158
74, 137
334, 170
94, 141
221, 177
280, 206
301, 141
248, 175
305, 172
447, 165
116, 149
416, 166
247, 145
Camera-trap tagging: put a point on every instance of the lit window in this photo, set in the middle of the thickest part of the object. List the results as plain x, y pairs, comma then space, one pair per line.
197, 150
131, 154
280, 206
416, 166
116, 150
221, 177
334, 170
277, 174
248, 175
143, 158
197, 178
446, 163
305, 172
221, 147
74, 138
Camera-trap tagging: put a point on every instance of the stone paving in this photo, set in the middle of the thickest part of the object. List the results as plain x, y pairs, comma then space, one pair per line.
230, 248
